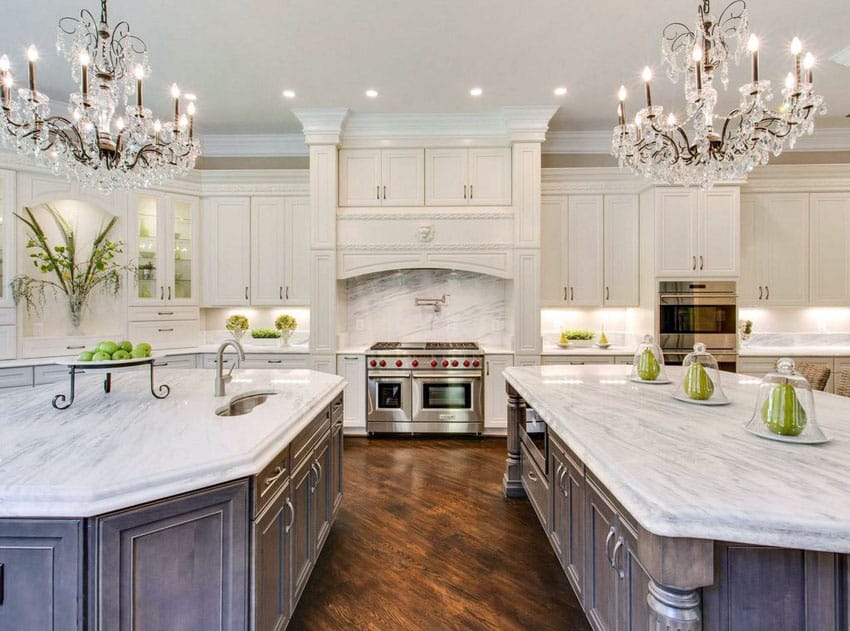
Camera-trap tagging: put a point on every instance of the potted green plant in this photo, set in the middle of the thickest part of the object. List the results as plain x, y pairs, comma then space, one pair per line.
236, 324
62, 272
576, 337
286, 324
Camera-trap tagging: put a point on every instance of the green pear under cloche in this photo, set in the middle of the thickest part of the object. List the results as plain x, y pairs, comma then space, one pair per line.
782, 412
698, 385
648, 367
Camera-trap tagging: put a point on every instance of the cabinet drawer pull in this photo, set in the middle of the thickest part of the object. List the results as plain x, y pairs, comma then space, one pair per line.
385, 192
313, 487
572, 295
607, 293
169, 292
470, 191
761, 293
291, 515
694, 264
464, 191
378, 192
161, 292
246, 292
280, 293
532, 476
75, 348
286, 292
565, 488
700, 262
319, 472
614, 563
766, 292
565, 294
608, 544
274, 361
558, 473
160, 364
351, 358
166, 330
164, 313
278, 471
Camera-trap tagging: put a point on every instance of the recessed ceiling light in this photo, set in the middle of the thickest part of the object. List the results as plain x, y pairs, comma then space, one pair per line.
372, 93
560, 91
476, 92
289, 94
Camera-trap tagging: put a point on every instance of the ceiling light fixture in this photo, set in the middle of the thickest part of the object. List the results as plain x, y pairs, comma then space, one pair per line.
476, 92
289, 94
560, 91
372, 94
109, 139
720, 147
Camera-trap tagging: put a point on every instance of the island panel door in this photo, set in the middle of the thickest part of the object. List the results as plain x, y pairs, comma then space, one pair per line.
600, 594
303, 550
272, 553
322, 495
633, 582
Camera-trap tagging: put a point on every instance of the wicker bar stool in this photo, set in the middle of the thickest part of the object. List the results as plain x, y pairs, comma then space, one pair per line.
842, 382
817, 376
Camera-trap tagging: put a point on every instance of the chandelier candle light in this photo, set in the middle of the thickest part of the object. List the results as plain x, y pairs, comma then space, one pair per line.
719, 147
108, 140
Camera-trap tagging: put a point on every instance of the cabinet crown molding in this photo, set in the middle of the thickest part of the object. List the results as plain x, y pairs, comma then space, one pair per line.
254, 145
255, 182
322, 126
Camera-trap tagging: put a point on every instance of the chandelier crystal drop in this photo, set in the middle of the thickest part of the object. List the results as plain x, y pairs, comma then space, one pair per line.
701, 147
108, 140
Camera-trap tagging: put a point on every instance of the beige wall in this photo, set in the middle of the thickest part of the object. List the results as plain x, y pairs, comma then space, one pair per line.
224, 163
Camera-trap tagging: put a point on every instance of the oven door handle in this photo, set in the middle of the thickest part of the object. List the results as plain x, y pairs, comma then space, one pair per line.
377, 374
463, 374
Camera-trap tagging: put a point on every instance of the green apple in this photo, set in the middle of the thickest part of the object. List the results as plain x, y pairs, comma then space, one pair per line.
101, 356
698, 385
107, 347
120, 354
126, 346
145, 346
782, 411
648, 367
85, 356
139, 353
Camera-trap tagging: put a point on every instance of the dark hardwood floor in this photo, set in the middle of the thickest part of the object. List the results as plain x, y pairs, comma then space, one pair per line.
426, 540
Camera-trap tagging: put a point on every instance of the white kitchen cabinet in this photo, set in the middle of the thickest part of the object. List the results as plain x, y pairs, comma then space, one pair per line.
775, 250
576, 360
697, 232
257, 251
622, 251
468, 177
227, 251
829, 240
381, 177
166, 334
7, 238
163, 240
353, 369
280, 251
7, 334
495, 396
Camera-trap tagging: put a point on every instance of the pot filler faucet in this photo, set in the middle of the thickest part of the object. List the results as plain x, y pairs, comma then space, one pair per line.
220, 378
437, 303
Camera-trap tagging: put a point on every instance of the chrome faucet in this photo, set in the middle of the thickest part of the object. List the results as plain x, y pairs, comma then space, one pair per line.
220, 378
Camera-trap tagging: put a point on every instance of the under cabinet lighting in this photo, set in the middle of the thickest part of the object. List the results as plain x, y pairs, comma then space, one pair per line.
372, 94
560, 91
476, 92
288, 94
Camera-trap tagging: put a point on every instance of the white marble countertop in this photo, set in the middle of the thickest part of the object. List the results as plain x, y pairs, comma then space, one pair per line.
794, 351
111, 451
553, 349
685, 470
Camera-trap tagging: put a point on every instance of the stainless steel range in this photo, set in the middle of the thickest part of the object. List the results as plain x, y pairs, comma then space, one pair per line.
425, 388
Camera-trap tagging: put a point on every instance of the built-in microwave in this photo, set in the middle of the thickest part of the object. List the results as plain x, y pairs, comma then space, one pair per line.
534, 434
697, 311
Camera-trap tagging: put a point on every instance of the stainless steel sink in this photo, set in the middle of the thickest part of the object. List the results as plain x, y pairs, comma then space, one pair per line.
244, 403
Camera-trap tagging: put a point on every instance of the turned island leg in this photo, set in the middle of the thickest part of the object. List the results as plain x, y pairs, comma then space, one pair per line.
673, 609
512, 480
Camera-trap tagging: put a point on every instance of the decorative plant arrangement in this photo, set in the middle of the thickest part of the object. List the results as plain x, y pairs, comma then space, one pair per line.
286, 324
77, 280
265, 334
745, 328
237, 325
578, 335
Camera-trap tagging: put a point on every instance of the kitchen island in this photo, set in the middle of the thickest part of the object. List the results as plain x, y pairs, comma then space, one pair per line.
669, 514
125, 511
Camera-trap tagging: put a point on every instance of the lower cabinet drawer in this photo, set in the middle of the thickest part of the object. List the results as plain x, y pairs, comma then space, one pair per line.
12, 377
209, 360
274, 360
536, 487
63, 346
50, 373
160, 335
7, 341
162, 314
176, 361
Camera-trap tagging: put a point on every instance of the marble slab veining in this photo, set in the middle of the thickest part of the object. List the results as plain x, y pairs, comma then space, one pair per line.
111, 451
684, 470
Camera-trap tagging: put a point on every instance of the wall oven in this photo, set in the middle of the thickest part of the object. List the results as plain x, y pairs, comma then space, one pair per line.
698, 311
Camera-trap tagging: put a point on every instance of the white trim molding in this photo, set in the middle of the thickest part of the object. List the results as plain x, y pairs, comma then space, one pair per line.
592, 180
254, 145
288, 182
322, 126
793, 178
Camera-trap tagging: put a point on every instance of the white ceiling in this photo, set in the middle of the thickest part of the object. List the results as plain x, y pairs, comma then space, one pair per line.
421, 55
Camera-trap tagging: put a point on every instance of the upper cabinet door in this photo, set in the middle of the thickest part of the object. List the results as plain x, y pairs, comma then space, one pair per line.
268, 250
8, 223
676, 232
403, 177
183, 234
584, 250
553, 252
147, 247
360, 177
719, 241
490, 177
227, 251
751, 284
622, 263
297, 246
830, 249
782, 223
446, 177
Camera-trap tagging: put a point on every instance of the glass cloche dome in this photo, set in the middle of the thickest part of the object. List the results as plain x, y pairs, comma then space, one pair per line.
648, 364
785, 408
701, 381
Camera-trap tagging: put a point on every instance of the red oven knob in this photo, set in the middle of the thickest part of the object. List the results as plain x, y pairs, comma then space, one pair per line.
373, 363
466, 363
414, 363
383, 363
445, 363
476, 363
454, 363
398, 363
433, 363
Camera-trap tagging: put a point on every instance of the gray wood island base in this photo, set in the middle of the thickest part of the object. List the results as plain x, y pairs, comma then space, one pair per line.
633, 575
232, 555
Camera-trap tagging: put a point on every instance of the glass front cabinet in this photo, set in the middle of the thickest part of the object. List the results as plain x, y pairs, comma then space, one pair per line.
163, 246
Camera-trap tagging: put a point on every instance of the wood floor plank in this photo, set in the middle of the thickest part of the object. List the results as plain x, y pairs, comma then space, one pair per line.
426, 540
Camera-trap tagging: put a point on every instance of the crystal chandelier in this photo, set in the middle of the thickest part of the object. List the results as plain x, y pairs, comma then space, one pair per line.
108, 139
718, 147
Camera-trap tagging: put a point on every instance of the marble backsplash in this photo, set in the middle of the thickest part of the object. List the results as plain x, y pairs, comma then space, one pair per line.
798, 339
382, 307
